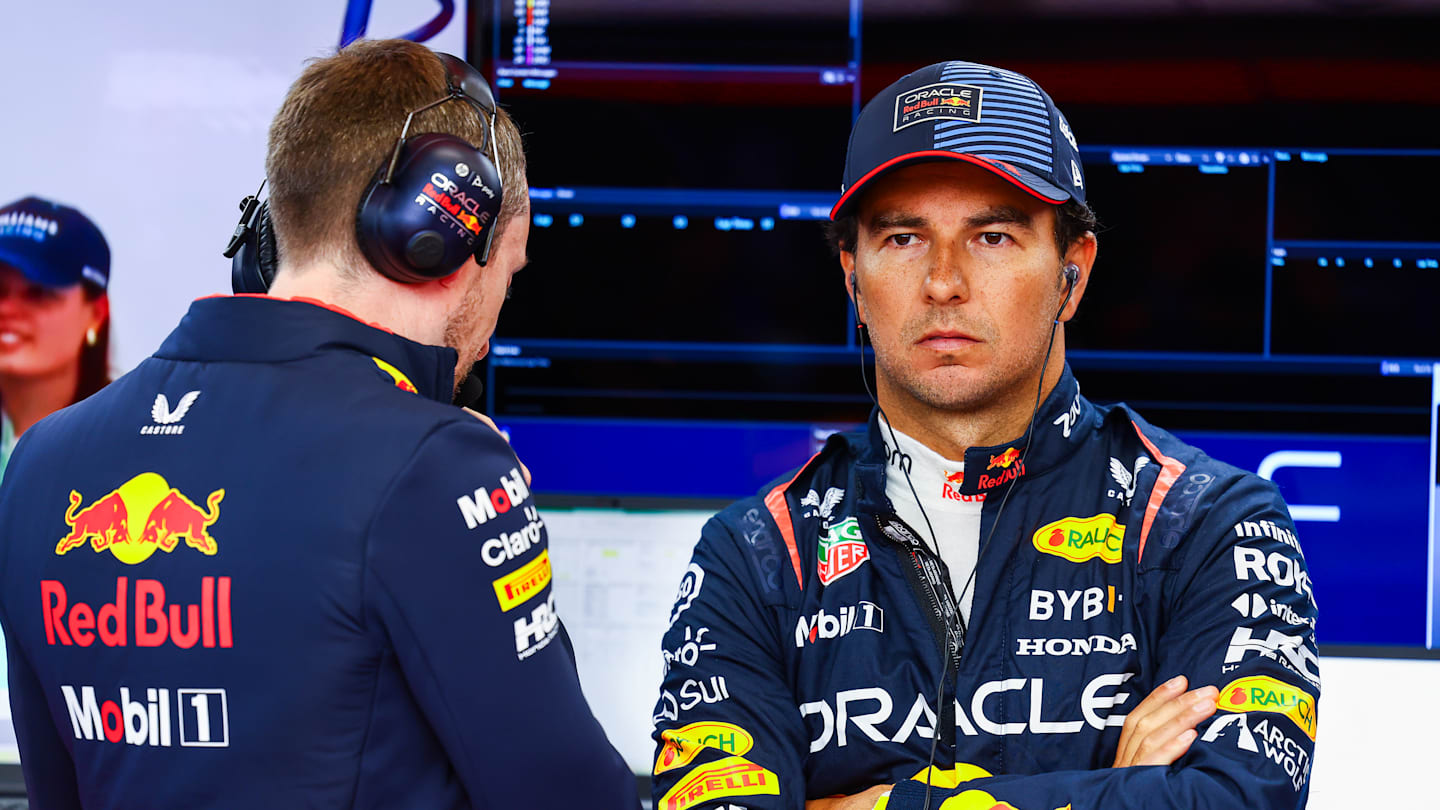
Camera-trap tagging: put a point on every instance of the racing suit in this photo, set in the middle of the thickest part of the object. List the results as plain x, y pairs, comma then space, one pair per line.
813, 628
273, 566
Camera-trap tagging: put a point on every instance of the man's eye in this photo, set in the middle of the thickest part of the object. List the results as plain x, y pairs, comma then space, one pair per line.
903, 239
994, 238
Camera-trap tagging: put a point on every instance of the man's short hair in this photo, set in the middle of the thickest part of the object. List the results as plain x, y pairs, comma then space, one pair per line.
338, 126
1072, 220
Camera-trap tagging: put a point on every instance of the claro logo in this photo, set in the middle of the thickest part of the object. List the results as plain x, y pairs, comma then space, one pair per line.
1081, 539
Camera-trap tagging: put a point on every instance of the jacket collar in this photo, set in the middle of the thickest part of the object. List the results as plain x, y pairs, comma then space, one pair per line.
262, 329
1064, 421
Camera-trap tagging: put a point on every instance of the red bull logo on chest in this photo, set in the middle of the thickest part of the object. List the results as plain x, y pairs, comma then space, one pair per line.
141, 516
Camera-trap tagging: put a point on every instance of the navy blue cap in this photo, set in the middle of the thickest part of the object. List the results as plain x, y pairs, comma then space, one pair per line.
996, 119
53, 244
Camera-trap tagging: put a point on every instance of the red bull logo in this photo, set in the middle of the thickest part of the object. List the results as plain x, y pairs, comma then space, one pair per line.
401, 381
143, 515
78, 623
950, 488
1005, 459
955, 101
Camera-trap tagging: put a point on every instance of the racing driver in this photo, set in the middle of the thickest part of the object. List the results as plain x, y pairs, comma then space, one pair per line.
996, 593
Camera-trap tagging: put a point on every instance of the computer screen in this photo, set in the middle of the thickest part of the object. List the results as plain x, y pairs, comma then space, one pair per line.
683, 319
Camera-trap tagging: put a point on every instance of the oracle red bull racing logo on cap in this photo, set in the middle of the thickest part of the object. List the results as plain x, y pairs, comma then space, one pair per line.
945, 101
141, 516
1082, 539
842, 550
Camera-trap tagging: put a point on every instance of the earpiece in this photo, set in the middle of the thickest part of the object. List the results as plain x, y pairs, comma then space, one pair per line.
855, 290
1072, 273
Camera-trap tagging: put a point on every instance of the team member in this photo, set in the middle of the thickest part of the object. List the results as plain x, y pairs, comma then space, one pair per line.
54, 313
274, 566
836, 614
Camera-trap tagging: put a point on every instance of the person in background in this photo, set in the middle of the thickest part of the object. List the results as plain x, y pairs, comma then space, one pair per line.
54, 314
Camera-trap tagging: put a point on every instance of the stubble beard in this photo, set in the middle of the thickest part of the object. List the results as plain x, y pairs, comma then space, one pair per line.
995, 385
462, 333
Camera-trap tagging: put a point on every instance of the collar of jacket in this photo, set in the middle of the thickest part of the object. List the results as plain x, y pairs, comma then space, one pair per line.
262, 329
1064, 421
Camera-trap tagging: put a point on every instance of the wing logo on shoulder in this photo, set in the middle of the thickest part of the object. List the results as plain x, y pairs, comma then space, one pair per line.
167, 421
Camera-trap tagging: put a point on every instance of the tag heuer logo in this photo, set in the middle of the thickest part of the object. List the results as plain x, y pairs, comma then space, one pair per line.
842, 550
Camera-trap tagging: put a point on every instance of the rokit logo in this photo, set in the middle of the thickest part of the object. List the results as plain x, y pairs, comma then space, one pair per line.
201, 717
535, 633
1275, 567
869, 710
822, 625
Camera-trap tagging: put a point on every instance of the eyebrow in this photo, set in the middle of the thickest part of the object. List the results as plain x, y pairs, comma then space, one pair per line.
994, 215
1000, 214
887, 220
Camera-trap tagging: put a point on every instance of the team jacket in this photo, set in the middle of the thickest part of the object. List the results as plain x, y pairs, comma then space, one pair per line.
806, 644
274, 567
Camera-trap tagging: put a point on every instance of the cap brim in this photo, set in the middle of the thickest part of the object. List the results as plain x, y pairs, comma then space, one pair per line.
33, 270
1019, 177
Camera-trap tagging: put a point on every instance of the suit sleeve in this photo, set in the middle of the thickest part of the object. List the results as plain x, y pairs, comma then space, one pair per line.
1239, 615
727, 730
458, 580
49, 772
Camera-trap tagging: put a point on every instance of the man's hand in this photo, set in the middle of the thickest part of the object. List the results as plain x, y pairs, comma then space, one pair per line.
525, 471
1162, 727
859, 801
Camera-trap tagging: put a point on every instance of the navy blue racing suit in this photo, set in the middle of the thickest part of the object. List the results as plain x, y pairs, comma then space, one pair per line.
813, 629
273, 566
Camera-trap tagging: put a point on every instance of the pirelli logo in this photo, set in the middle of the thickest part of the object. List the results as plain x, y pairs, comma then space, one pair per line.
518, 586
731, 776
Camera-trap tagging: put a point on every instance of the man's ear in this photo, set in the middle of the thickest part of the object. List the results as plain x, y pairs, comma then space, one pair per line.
1081, 254
852, 286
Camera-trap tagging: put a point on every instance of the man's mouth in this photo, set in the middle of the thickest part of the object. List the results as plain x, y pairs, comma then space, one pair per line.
946, 340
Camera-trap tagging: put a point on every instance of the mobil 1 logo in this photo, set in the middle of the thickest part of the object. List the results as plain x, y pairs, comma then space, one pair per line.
943, 101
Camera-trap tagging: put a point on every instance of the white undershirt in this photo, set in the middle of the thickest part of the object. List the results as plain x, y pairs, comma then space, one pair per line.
954, 517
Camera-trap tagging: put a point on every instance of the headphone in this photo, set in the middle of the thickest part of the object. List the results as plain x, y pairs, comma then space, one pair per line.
429, 208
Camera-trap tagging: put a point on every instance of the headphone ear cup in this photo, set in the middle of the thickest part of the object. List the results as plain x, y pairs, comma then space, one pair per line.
253, 267
267, 255
433, 215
